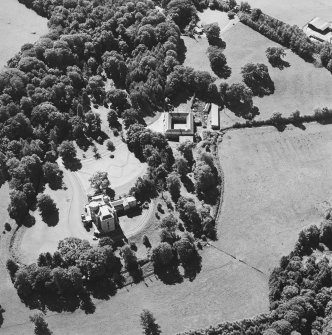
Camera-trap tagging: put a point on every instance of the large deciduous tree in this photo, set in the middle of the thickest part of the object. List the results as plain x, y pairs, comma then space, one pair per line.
257, 78
149, 324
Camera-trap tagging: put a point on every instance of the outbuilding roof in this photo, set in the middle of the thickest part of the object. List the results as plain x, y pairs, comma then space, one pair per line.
319, 23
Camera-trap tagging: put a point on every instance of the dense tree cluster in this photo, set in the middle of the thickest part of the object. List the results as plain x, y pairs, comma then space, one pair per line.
153, 148
206, 176
196, 219
47, 90
257, 78
67, 273
185, 80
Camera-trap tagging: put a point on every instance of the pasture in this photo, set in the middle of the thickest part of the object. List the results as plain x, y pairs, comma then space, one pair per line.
18, 25
297, 12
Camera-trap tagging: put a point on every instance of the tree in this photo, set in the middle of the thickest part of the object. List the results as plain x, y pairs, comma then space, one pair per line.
18, 207
129, 258
174, 185
67, 151
41, 326
100, 182
245, 7
162, 255
181, 166
186, 148
106, 241
326, 233
97, 262
205, 179
112, 118
212, 32
12, 268
275, 55
239, 99
148, 323
71, 248
169, 222
144, 188
186, 249
257, 78
218, 62
189, 215
255, 14
46, 205
52, 174
2, 310
168, 236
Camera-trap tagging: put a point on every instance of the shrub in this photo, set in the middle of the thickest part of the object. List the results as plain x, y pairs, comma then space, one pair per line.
110, 145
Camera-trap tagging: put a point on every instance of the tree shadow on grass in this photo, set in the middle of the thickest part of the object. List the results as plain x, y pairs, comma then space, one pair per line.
265, 88
210, 197
52, 302
73, 165
193, 268
136, 274
102, 289
86, 304
188, 184
182, 51
280, 64
169, 275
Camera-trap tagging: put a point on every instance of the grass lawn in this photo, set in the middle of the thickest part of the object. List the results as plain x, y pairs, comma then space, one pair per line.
18, 25
299, 87
297, 12
274, 185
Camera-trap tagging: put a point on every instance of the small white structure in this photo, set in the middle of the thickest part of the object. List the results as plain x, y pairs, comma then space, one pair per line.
319, 30
215, 117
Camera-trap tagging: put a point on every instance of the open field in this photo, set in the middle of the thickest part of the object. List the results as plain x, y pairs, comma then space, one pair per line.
301, 86
274, 185
296, 12
18, 25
